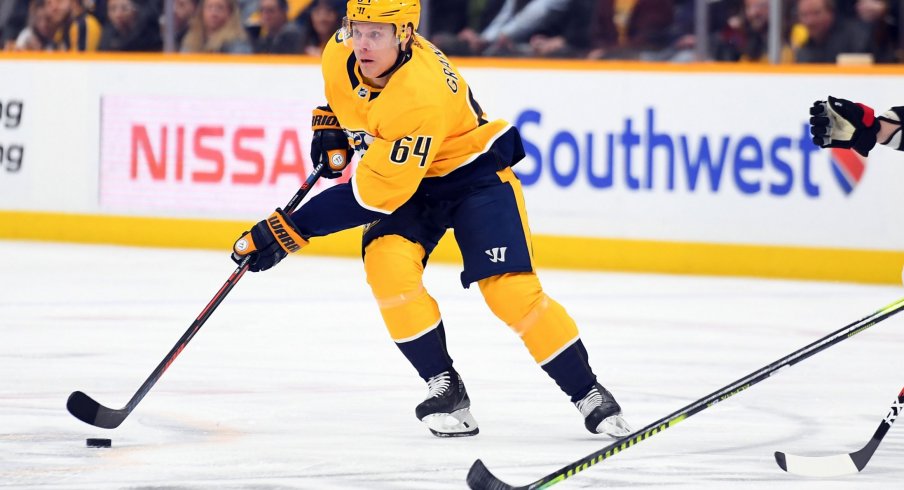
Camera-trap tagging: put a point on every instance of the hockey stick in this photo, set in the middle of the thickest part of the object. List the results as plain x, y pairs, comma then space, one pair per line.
480, 478
86, 409
841, 464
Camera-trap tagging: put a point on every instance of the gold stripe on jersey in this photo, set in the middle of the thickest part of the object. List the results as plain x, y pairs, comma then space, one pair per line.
424, 124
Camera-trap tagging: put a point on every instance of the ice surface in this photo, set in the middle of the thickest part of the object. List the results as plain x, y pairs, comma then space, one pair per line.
294, 383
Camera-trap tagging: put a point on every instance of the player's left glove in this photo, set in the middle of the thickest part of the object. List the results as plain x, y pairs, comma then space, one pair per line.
840, 123
268, 242
329, 144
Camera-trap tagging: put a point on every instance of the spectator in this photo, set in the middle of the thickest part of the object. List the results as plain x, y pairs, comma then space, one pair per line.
80, 30
828, 34
517, 21
38, 36
883, 30
183, 11
506, 27
217, 28
745, 37
132, 25
13, 19
278, 35
321, 21
570, 37
604, 35
648, 28
451, 25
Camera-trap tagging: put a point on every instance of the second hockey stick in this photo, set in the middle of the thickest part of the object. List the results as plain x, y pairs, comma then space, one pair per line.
841, 464
89, 411
480, 478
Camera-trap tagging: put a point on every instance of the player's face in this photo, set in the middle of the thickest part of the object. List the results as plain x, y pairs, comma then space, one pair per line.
376, 47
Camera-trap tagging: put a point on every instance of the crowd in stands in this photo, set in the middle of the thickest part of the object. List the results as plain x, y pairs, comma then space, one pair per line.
812, 31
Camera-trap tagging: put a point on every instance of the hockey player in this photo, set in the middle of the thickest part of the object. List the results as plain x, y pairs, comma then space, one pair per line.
430, 160
840, 123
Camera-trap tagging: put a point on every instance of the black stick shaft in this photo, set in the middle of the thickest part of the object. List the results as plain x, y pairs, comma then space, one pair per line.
480, 478
217, 299
89, 411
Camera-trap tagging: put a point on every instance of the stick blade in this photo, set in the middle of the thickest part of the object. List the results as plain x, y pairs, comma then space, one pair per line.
825, 466
84, 408
480, 478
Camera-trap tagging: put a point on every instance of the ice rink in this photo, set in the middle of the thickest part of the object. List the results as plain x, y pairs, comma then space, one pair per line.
294, 382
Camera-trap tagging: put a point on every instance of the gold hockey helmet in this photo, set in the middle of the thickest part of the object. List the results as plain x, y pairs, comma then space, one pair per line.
399, 13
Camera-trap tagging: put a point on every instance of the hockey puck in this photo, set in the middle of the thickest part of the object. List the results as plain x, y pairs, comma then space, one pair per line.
99, 442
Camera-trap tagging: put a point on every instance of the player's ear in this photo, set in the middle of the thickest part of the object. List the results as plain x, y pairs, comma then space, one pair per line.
409, 34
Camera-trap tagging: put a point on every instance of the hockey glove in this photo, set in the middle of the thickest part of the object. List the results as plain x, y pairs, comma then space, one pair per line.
268, 242
840, 123
330, 144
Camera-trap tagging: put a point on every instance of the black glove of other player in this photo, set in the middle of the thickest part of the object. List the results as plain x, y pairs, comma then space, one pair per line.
268, 242
330, 144
840, 123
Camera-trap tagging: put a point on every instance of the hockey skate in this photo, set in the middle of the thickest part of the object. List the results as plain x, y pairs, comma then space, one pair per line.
602, 414
447, 409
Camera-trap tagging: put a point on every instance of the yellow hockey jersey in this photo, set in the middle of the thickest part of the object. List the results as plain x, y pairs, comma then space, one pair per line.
424, 124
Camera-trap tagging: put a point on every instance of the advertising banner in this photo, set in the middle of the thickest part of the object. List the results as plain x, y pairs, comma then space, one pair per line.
699, 157
16, 178
221, 157
614, 152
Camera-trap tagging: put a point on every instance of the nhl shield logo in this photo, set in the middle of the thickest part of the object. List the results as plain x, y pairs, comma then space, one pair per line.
363, 92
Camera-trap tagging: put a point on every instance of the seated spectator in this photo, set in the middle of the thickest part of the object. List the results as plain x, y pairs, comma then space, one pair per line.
506, 27
38, 35
745, 37
571, 37
80, 30
13, 19
517, 21
604, 34
646, 31
183, 11
132, 25
875, 15
827, 34
217, 28
450, 23
278, 35
321, 21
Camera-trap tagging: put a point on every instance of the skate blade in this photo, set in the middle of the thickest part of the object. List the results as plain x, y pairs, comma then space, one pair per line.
459, 423
614, 426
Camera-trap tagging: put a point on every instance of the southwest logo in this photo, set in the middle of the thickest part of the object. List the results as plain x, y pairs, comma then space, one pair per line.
848, 168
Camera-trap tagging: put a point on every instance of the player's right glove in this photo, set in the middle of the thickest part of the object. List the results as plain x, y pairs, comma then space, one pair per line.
840, 123
268, 242
330, 144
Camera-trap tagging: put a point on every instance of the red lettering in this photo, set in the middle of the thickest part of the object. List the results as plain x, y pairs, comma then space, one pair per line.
247, 155
210, 154
141, 141
180, 152
295, 166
